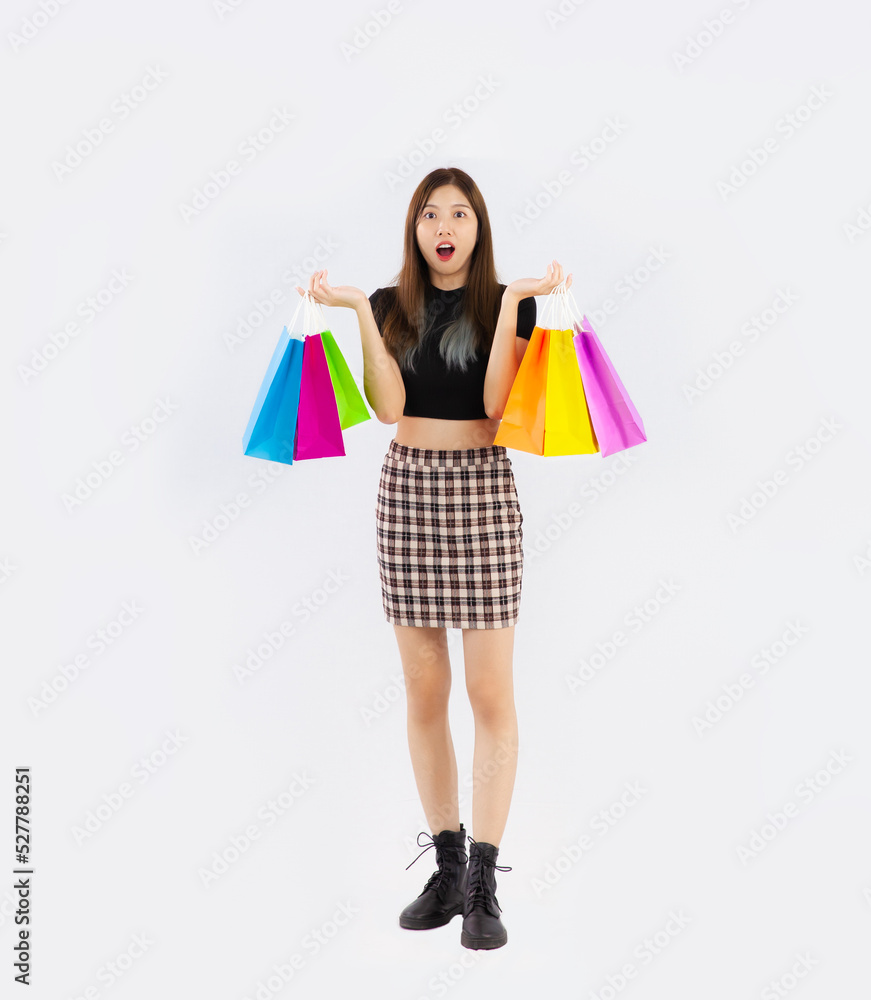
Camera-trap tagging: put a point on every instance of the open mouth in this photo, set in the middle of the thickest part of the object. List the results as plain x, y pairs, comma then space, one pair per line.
445, 251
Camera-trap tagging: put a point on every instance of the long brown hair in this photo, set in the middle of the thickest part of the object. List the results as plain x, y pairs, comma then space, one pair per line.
410, 311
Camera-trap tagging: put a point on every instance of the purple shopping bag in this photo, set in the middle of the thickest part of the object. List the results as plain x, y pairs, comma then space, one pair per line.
615, 420
318, 431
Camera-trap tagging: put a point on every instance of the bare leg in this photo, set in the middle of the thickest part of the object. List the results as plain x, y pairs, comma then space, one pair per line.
489, 656
427, 668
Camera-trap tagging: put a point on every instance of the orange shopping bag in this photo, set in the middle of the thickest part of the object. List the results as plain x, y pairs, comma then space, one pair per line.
522, 426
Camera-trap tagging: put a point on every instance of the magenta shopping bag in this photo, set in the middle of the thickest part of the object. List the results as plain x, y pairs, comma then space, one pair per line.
615, 420
318, 432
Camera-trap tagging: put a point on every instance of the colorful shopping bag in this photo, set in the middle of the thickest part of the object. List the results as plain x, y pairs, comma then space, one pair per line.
307, 396
568, 429
352, 409
616, 421
567, 399
522, 424
318, 432
271, 429
546, 412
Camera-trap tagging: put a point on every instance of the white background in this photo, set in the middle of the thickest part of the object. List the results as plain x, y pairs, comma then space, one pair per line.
667, 513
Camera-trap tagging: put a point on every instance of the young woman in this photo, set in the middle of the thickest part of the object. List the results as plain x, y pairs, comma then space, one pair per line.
441, 349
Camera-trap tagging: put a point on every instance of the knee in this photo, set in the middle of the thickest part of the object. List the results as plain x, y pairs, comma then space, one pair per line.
492, 709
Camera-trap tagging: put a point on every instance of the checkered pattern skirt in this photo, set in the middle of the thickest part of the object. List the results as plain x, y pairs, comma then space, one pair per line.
449, 537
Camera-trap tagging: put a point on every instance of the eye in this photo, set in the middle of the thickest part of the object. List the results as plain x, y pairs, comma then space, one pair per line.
426, 215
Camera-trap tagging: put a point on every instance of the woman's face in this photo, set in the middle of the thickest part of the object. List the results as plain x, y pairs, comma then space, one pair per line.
447, 218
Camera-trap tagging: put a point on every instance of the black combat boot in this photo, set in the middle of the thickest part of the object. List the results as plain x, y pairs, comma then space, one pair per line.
482, 927
443, 895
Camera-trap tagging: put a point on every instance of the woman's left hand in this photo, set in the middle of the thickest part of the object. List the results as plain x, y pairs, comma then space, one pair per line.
524, 287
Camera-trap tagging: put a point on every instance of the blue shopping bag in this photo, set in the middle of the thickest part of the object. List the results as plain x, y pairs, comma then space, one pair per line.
271, 430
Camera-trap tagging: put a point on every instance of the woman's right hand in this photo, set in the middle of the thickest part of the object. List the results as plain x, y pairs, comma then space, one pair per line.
327, 295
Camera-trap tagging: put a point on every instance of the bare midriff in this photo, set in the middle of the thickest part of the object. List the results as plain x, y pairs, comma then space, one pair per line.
429, 432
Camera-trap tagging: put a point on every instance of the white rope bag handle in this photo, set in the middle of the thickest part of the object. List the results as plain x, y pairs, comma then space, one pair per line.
577, 315
558, 312
313, 321
319, 320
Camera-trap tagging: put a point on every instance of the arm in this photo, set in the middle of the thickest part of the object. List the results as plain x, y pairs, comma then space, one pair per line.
504, 357
382, 379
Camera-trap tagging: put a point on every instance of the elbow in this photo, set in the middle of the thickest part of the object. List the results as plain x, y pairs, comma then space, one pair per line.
388, 417
493, 412
394, 414
386, 413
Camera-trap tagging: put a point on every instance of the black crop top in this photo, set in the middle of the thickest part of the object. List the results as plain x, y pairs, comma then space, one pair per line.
435, 390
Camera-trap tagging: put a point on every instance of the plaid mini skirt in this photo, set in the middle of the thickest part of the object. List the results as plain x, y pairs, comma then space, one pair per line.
449, 537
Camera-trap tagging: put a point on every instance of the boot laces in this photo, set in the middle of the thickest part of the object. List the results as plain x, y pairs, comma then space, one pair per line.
440, 879
479, 891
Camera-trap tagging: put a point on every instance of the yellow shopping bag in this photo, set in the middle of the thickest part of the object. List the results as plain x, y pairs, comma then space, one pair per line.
568, 429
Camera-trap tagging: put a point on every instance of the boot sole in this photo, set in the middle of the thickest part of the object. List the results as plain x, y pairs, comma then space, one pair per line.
467, 941
427, 923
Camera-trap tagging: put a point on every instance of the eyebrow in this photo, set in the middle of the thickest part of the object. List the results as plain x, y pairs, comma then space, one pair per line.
456, 204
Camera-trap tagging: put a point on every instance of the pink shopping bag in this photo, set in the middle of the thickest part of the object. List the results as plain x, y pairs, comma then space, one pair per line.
615, 420
318, 432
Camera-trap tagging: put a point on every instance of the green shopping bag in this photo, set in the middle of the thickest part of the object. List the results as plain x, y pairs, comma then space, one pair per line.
352, 409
